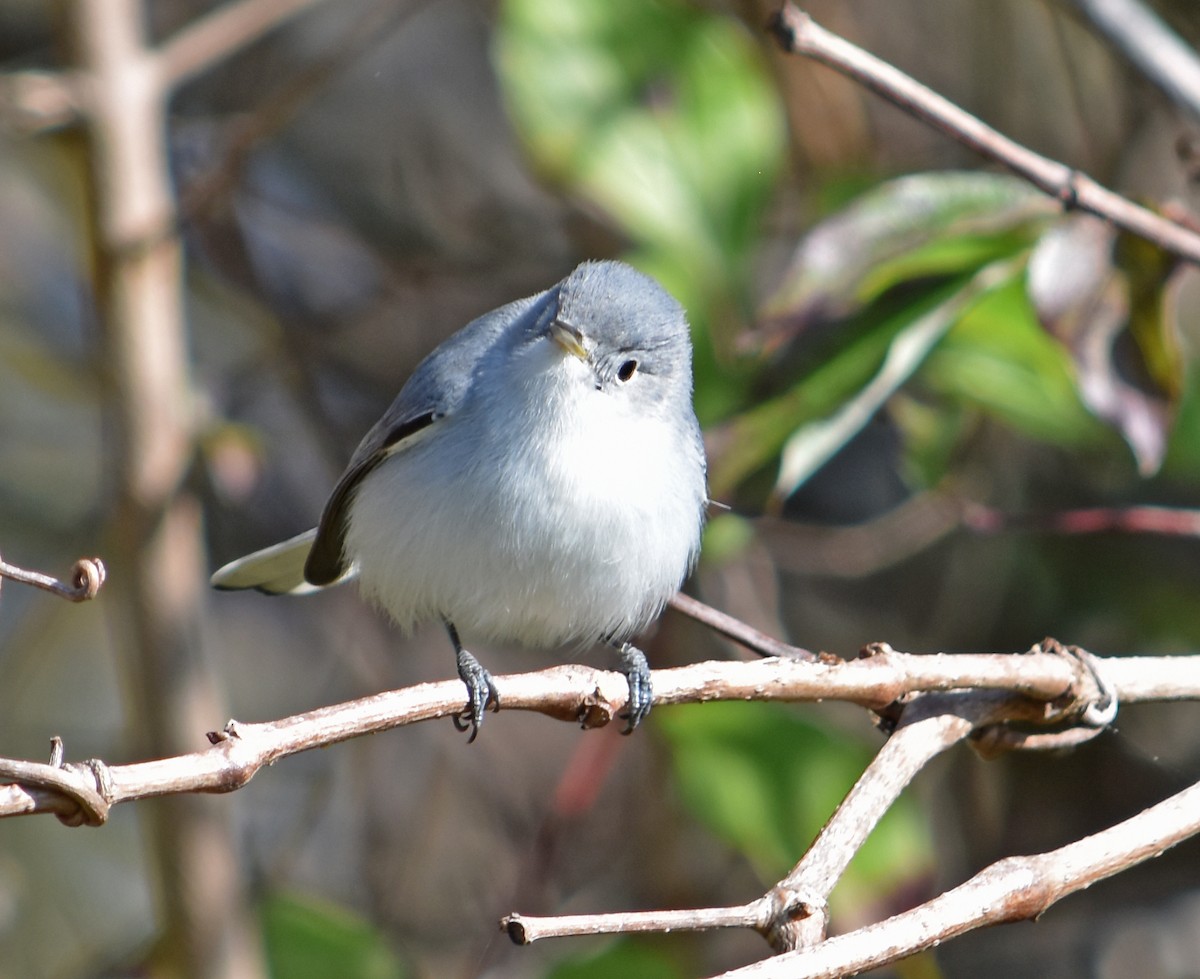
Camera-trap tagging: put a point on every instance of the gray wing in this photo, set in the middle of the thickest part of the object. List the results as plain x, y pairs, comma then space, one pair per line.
437, 388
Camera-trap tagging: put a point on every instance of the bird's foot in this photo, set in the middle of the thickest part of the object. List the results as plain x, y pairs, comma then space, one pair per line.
641, 693
480, 693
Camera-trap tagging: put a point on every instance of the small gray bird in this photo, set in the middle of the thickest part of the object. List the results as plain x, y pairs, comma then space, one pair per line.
540, 479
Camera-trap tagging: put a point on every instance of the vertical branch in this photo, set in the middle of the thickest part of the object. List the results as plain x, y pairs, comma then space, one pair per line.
156, 551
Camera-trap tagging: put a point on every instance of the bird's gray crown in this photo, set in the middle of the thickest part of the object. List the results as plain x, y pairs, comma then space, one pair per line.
619, 308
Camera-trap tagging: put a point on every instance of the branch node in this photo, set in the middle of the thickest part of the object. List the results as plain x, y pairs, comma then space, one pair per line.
56, 752
514, 926
231, 731
1092, 700
1087, 708
92, 802
797, 917
595, 710
1101, 710
1068, 193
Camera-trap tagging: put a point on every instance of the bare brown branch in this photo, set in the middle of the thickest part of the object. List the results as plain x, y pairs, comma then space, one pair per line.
526, 929
793, 913
1167, 521
799, 33
929, 726
1013, 889
593, 697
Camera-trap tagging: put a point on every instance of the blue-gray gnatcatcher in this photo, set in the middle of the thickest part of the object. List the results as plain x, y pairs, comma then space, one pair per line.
540, 479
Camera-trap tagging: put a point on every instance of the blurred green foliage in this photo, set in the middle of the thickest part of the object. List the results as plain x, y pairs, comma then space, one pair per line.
765, 780
631, 957
661, 119
311, 939
910, 301
659, 115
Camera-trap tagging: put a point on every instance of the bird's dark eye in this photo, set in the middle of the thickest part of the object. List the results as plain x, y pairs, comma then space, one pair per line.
627, 370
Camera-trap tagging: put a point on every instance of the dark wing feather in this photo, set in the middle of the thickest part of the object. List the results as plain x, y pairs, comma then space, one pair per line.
325, 563
436, 388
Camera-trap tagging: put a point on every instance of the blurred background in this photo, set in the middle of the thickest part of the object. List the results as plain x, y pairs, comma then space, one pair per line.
363, 181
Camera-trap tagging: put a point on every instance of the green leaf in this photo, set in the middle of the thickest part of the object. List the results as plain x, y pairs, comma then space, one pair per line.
1149, 271
752, 440
919, 226
999, 359
656, 112
726, 536
811, 446
931, 433
310, 939
624, 957
1183, 452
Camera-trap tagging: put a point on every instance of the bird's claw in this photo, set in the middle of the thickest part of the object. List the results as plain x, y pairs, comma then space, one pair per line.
481, 692
641, 692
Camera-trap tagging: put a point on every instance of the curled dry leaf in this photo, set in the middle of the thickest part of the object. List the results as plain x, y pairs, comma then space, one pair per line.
1107, 301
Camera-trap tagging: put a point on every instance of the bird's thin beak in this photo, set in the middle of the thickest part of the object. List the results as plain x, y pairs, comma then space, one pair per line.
569, 338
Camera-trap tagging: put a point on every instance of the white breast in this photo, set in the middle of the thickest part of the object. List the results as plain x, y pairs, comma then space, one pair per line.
562, 516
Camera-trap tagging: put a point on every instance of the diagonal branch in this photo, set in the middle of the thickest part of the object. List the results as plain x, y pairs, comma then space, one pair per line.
799, 34
1012, 889
219, 35
1157, 51
37, 101
930, 725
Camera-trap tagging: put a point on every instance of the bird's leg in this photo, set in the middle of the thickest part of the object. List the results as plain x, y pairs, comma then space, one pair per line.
480, 689
637, 672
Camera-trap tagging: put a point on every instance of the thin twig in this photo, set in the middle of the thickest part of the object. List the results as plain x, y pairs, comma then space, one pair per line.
1168, 521
33, 102
798, 33
216, 36
740, 632
527, 929
87, 576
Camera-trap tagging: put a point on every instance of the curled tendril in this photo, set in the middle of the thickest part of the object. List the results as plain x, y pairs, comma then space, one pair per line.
87, 576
